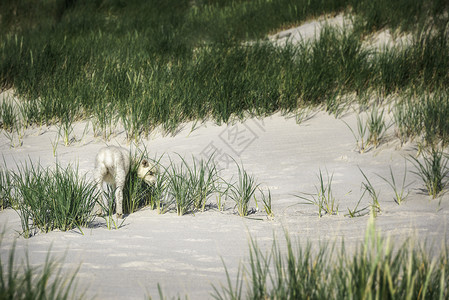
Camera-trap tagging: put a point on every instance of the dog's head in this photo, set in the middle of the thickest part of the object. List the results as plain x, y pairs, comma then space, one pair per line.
148, 172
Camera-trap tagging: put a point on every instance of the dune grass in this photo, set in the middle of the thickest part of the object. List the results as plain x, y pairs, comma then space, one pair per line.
433, 170
323, 198
242, 191
52, 198
187, 187
377, 269
145, 64
368, 187
192, 184
360, 134
28, 282
421, 117
6, 189
58, 198
137, 193
399, 191
8, 116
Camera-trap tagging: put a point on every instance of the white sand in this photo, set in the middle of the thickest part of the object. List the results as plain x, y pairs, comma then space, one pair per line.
184, 254
311, 30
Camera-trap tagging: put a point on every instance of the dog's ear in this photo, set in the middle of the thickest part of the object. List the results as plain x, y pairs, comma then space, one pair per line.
145, 163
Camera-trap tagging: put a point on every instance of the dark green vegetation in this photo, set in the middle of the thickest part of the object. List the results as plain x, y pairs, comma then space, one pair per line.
377, 270
48, 199
150, 63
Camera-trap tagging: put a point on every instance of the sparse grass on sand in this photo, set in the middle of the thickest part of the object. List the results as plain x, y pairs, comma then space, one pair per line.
323, 198
25, 281
58, 198
377, 269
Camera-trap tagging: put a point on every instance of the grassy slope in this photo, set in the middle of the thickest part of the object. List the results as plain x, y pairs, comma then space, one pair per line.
182, 60
177, 61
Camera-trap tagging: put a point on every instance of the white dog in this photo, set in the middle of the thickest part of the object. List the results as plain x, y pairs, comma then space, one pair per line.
112, 166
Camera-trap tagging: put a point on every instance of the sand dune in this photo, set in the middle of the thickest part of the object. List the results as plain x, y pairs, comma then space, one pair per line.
184, 254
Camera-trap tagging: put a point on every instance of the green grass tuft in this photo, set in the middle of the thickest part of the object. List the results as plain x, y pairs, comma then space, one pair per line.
242, 190
433, 170
49, 199
6, 190
323, 199
27, 282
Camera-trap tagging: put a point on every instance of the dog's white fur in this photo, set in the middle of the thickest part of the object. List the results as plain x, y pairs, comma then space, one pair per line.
112, 166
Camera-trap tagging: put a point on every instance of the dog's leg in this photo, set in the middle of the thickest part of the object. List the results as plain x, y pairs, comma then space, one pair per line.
120, 184
100, 172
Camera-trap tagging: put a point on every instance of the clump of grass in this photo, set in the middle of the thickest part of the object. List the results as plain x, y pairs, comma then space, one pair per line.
374, 195
65, 130
323, 198
361, 134
136, 193
408, 120
399, 191
189, 186
103, 119
11, 123
221, 189
203, 176
8, 116
433, 170
51, 199
377, 269
376, 126
266, 201
16, 136
29, 111
370, 130
160, 197
6, 190
180, 190
242, 191
423, 116
27, 282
